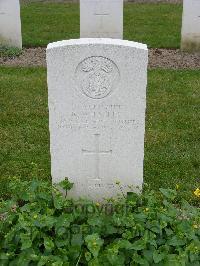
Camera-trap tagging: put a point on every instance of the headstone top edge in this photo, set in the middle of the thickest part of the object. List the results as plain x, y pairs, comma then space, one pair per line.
106, 41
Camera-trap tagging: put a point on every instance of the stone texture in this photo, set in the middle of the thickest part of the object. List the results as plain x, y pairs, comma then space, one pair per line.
191, 26
101, 19
10, 24
97, 100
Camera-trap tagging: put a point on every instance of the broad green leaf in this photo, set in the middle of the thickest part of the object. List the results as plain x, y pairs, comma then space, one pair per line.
88, 256
125, 244
148, 255
175, 241
94, 262
66, 184
48, 243
77, 240
168, 193
26, 241
158, 257
139, 245
94, 243
139, 260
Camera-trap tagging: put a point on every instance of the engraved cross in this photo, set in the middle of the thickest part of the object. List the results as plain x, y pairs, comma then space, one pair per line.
97, 152
101, 13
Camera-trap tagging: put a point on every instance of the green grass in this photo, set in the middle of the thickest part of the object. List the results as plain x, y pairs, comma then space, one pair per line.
9, 51
172, 127
158, 25
44, 23
23, 123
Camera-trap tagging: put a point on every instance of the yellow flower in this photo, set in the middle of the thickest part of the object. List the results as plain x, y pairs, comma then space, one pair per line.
97, 204
146, 209
197, 192
177, 186
195, 226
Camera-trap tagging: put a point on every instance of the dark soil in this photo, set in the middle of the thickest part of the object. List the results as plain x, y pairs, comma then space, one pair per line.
174, 59
158, 58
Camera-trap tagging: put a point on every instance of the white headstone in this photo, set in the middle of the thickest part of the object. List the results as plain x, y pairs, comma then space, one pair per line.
191, 26
101, 19
97, 100
10, 24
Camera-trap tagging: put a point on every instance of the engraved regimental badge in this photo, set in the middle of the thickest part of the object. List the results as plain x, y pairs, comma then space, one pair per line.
97, 76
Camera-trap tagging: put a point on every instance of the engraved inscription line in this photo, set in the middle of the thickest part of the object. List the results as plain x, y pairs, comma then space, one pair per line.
97, 153
103, 14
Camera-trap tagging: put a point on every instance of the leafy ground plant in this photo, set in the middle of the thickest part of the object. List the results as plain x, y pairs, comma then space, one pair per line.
40, 226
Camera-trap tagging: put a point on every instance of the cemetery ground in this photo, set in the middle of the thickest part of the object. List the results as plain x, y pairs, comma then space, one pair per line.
172, 128
172, 139
38, 226
157, 25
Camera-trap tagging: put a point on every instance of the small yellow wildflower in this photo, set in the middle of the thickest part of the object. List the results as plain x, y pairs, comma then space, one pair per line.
177, 186
97, 204
195, 226
197, 192
146, 209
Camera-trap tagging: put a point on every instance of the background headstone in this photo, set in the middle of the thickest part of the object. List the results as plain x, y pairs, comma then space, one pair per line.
101, 19
191, 26
10, 24
97, 100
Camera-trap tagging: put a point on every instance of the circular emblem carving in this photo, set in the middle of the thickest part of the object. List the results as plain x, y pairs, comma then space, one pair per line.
97, 76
